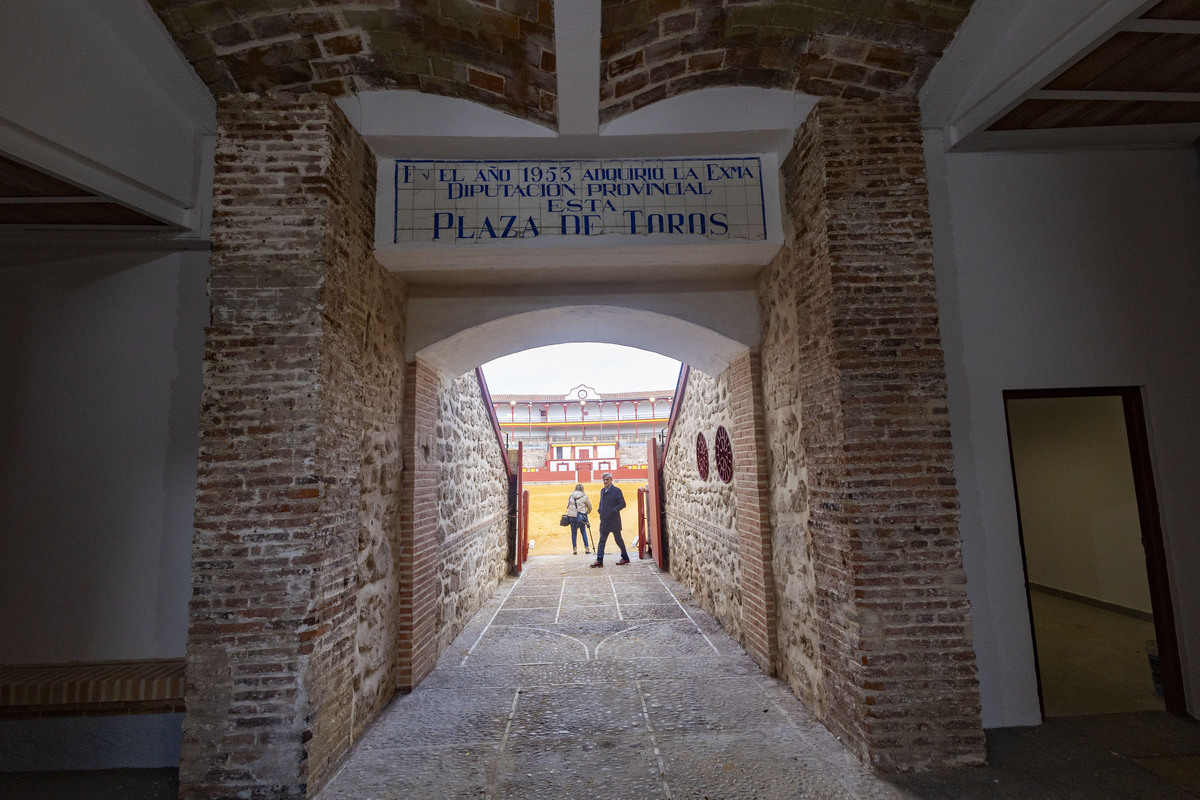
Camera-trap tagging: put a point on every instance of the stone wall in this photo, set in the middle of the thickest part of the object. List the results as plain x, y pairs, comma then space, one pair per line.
383, 376
718, 536
298, 460
783, 291
701, 514
873, 622
455, 515
472, 506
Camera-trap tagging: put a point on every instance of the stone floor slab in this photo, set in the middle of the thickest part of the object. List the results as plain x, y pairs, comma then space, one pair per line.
606, 711
665, 639
577, 614
442, 717
532, 601
526, 616
509, 644
651, 611
601, 684
459, 772
604, 766
741, 765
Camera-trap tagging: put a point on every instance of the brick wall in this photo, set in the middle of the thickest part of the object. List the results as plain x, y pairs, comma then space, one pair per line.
873, 620
418, 556
296, 459
754, 531
455, 504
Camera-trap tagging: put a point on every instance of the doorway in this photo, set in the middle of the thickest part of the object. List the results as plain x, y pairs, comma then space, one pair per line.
1095, 567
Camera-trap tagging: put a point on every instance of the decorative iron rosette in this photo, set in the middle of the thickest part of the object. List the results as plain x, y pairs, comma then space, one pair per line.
724, 455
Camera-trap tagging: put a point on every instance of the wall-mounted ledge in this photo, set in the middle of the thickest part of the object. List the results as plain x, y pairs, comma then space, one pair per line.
513, 263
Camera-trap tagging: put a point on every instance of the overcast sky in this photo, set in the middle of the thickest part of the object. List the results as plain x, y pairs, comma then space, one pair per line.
558, 368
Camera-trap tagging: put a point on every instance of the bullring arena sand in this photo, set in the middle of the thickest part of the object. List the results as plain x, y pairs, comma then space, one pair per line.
548, 502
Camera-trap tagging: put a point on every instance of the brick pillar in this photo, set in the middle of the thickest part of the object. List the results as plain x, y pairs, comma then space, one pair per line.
754, 530
894, 660
418, 520
270, 651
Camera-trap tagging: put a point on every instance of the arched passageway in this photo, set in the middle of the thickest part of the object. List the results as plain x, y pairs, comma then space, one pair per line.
345, 479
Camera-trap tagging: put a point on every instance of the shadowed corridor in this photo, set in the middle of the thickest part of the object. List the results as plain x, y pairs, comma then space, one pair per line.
611, 683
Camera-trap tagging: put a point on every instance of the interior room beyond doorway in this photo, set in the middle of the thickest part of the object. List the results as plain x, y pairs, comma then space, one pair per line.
1089, 594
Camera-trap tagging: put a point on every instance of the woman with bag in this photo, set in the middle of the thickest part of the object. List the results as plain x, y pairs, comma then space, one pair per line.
578, 507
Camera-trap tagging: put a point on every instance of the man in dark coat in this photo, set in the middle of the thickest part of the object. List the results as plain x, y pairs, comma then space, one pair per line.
612, 500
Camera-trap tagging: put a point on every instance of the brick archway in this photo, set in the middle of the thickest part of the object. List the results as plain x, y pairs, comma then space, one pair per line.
307, 379
688, 342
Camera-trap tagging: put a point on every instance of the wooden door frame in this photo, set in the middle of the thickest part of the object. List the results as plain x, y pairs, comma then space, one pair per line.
1150, 523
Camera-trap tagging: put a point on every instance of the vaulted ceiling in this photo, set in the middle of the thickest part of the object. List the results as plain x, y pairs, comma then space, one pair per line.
573, 77
504, 54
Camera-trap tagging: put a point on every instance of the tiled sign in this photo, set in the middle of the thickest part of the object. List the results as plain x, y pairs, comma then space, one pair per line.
483, 202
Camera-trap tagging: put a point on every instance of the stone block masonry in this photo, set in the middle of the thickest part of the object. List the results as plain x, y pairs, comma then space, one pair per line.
702, 513
382, 406
873, 620
718, 532
455, 503
294, 574
472, 506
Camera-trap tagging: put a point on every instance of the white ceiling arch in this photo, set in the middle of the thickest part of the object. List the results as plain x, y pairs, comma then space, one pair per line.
700, 347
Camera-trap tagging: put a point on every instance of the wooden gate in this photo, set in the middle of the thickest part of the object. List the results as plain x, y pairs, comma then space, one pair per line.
654, 527
641, 540
521, 511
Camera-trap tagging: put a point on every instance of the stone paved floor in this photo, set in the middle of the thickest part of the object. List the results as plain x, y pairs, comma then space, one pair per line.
578, 683
585, 683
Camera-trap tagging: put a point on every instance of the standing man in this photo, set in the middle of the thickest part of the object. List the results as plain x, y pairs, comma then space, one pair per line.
612, 500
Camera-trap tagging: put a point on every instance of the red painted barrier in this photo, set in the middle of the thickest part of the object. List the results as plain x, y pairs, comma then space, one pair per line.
641, 540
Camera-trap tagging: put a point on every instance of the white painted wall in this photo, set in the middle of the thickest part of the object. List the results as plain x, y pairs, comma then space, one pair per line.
1065, 270
99, 400
97, 93
1079, 514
